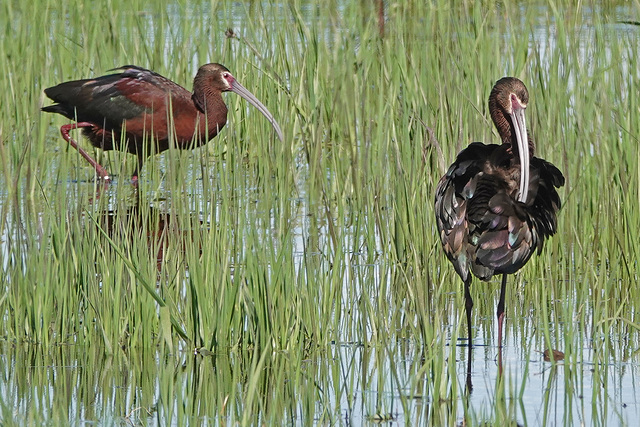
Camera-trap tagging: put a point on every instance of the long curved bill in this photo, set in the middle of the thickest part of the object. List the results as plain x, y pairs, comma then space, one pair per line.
243, 92
519, 123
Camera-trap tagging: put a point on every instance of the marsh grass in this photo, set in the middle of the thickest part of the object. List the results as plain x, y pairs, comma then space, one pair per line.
308, 275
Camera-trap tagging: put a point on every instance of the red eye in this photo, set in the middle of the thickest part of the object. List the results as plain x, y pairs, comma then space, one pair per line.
516, 103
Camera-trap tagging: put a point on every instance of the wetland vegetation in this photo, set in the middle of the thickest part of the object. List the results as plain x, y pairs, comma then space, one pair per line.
258, 282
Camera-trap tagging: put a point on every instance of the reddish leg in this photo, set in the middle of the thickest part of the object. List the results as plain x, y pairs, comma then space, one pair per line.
500, 314
64, 130
500, 311
134, 177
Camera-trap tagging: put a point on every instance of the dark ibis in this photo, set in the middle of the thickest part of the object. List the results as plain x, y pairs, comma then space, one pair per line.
139, 111
497, 203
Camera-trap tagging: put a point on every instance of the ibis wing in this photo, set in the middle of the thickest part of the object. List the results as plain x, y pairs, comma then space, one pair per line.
109, 100
452, 204
545, 201
483, 228
501, 234
505, 232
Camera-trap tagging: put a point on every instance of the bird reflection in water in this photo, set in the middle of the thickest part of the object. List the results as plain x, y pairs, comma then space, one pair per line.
157, 226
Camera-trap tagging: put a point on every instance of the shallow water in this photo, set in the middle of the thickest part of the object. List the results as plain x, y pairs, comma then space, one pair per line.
351, 382
348, 383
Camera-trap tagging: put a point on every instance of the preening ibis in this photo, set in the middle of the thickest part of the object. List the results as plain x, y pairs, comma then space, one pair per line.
130, 109
497, 204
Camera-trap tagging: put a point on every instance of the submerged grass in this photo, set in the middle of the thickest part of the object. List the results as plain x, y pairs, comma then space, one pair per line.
309, 274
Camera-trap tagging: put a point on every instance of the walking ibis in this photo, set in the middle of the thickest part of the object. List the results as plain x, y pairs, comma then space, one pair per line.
497, 203
139, 111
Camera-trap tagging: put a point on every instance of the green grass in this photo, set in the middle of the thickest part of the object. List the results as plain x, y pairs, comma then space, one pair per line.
309, 274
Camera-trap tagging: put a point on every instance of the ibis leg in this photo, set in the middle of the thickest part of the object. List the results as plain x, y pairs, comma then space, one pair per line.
500, 311
468, 304
64, 130
136, 173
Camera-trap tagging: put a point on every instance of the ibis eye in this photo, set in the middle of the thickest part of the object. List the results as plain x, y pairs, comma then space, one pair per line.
516, 103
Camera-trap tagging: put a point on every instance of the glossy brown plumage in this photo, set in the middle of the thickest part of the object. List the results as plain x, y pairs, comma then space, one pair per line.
138, 106
488, 224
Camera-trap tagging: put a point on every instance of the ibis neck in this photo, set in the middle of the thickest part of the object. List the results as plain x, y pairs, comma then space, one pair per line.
212, 106
507, 133
516, 150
